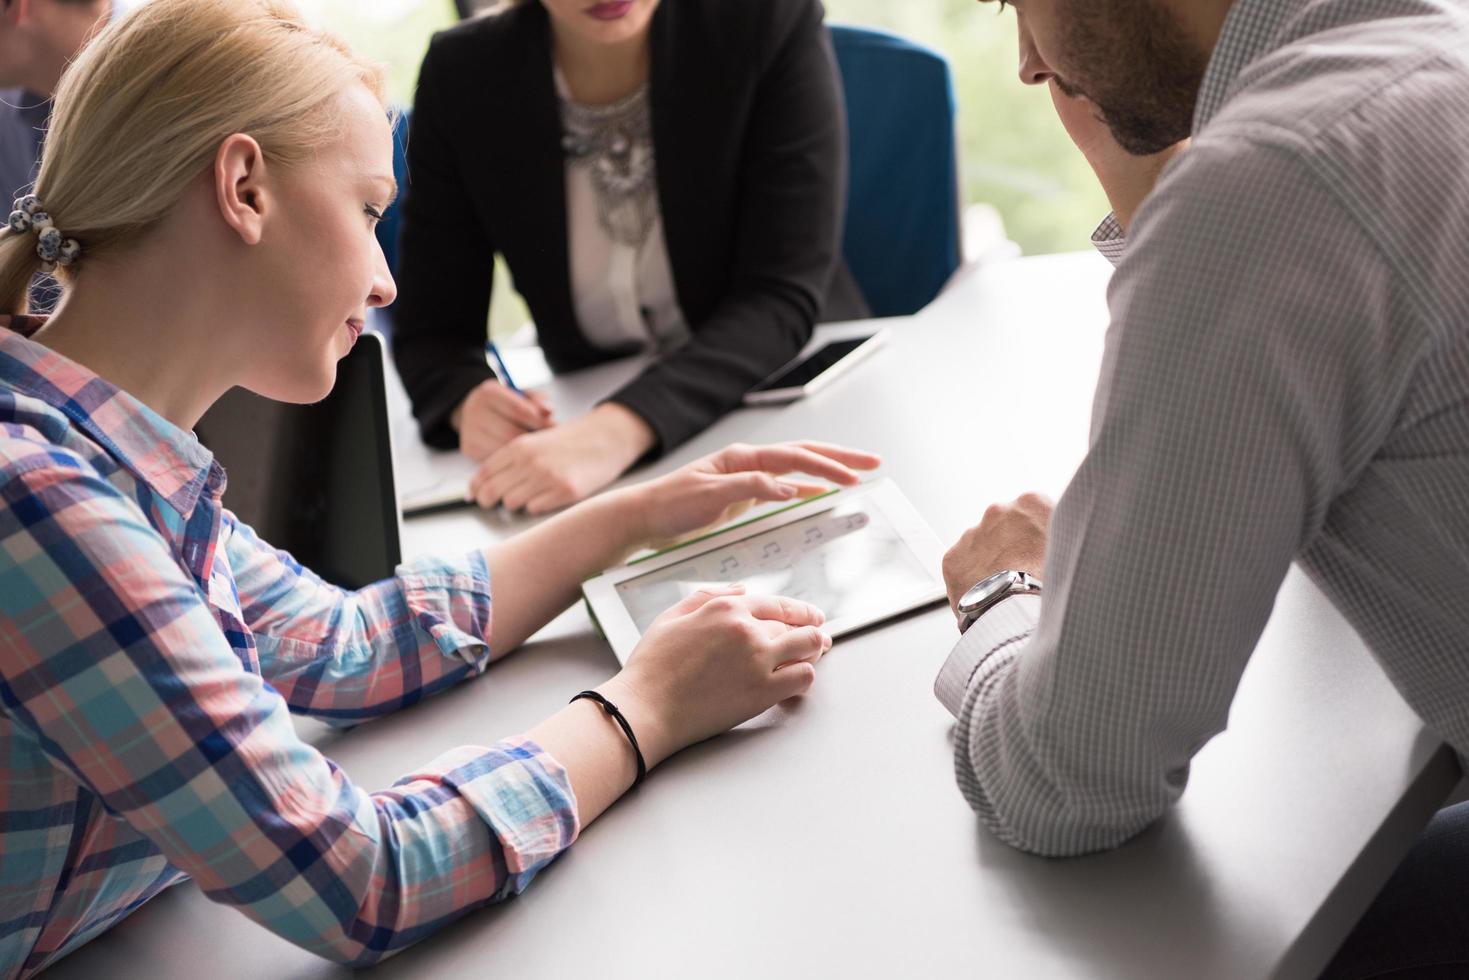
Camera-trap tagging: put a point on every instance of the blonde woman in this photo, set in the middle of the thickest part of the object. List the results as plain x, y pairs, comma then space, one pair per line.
208, 195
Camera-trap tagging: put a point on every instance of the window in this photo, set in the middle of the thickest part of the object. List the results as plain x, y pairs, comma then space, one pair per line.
395, 32
1014, 153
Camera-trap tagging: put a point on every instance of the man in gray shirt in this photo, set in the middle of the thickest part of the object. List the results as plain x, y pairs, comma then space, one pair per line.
1286, 379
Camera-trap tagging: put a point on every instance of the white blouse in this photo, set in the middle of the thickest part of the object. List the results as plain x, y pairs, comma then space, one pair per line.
621, 293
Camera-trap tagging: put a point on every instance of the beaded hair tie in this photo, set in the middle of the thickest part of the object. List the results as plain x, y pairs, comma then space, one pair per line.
53, 247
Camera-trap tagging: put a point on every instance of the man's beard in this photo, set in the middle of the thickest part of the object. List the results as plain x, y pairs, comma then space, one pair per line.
1137, 64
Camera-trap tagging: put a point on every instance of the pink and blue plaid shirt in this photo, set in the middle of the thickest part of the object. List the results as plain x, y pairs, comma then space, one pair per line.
151, 648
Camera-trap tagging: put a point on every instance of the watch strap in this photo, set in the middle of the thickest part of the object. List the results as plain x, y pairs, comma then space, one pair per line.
1023, 584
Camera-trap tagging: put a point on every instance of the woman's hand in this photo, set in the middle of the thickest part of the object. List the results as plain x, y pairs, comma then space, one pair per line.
713, 661
721, 486
538, 572
543, 471
492, 415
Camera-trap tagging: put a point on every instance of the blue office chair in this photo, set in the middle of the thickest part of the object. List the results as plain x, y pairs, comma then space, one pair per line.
902, 239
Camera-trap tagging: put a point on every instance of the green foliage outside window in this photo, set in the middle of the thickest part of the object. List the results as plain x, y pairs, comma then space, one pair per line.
395, 32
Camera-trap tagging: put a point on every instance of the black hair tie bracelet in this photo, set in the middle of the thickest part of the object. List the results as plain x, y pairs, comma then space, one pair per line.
617, 716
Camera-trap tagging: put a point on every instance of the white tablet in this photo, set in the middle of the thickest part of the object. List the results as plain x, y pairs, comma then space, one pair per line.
861, 555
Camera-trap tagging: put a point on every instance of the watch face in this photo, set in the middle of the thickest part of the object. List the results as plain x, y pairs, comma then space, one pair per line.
988, 589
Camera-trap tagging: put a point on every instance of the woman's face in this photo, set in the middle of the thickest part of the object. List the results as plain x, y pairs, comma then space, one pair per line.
322, 262
607, 22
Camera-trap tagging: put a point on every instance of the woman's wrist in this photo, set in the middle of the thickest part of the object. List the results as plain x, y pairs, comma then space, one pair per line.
626, 509
628, 435
647, 717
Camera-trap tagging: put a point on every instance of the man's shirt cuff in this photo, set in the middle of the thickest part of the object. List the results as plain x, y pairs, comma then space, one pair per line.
1001, 628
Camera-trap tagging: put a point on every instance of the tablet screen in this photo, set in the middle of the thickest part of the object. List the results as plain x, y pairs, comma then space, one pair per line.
846, 561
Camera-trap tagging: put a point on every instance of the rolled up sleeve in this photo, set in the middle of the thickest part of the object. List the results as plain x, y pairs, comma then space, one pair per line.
348, 656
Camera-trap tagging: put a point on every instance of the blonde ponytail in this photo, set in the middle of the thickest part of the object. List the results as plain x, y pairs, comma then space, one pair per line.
145, 106
19, 264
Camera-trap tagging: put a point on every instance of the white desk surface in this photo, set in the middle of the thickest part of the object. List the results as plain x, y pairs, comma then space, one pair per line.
829, 839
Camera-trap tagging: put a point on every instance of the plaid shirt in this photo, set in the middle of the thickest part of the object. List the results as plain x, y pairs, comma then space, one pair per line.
150, 650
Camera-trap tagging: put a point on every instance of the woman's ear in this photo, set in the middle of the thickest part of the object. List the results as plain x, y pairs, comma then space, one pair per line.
240, 186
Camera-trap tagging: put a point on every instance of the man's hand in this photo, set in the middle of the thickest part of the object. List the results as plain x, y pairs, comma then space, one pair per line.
1126, 179
542, 471
1011, 537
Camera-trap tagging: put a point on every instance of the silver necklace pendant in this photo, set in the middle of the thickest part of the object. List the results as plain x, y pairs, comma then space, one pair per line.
615, 143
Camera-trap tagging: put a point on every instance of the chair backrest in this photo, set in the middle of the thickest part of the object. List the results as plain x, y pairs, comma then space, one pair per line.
902, 239
387, 229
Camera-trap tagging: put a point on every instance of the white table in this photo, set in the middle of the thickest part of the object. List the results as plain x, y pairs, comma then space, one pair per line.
830, 839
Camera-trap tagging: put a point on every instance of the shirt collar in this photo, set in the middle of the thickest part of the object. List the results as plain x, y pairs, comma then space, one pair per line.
173, 464
1252, 28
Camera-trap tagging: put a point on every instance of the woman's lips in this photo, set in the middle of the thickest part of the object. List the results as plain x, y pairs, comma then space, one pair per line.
356, 327
613, 10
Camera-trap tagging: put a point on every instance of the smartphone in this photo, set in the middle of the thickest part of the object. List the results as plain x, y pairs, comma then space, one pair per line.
807, 375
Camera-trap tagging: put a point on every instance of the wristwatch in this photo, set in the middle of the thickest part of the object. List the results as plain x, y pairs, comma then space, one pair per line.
998, 586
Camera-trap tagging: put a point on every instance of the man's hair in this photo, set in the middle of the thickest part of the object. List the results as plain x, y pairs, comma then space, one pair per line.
144, 108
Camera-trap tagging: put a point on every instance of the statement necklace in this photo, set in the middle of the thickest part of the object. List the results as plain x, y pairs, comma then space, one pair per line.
615, 144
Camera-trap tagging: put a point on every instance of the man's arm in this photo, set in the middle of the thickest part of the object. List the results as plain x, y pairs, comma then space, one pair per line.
1244, 384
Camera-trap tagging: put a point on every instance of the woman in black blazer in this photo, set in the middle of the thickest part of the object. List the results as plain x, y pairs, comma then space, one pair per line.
657, 175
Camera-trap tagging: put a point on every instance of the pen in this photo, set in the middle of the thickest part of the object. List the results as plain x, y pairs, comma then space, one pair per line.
499, 365
439, 507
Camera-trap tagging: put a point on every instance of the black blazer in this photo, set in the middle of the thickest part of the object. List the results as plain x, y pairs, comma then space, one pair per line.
749, 135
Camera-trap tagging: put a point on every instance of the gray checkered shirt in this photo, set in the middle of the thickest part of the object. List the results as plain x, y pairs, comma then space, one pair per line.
1286, 379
